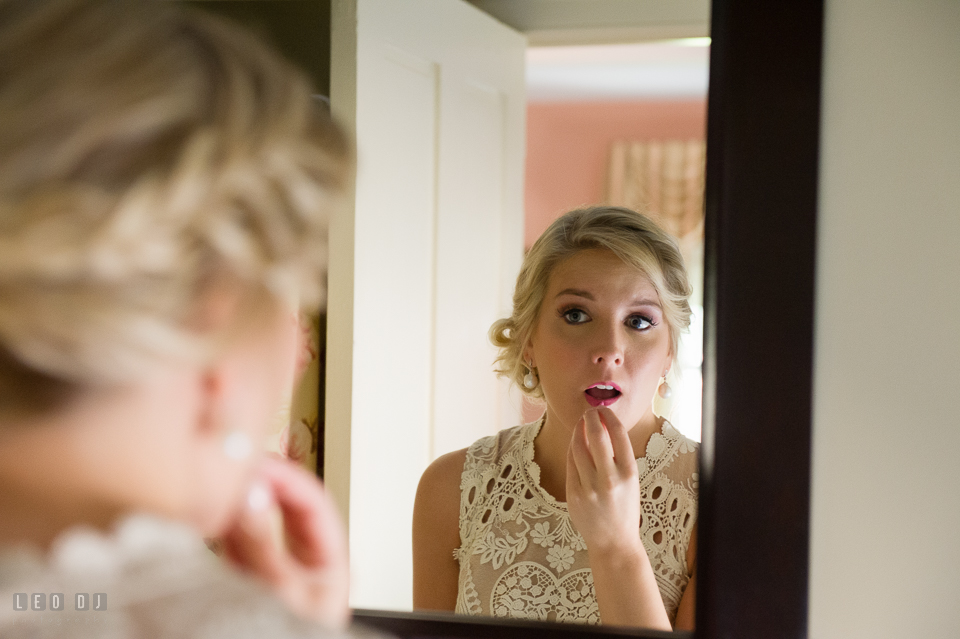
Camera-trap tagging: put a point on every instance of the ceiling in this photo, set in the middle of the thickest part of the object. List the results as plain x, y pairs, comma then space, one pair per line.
675, 69
610, 49
553, 22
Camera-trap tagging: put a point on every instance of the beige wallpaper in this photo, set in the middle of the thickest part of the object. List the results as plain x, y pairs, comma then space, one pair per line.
294, 433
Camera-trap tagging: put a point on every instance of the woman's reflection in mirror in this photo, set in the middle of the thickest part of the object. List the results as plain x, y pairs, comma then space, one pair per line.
589, 513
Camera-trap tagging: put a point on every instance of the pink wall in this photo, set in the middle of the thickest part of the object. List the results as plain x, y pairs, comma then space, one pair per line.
568, 144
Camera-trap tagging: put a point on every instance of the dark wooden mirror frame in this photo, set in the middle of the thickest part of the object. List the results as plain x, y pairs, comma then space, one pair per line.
763, 128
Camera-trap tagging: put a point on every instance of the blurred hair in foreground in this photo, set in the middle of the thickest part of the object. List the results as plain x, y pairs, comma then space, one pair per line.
165, 187
149, 157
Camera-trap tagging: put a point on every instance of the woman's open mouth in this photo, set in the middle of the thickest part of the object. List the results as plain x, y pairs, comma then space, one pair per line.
602, 394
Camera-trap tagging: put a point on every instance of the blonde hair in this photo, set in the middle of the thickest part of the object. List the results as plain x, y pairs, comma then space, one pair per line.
632, 237
148, 153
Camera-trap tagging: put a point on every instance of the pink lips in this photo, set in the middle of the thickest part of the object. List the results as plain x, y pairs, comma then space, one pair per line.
603, 394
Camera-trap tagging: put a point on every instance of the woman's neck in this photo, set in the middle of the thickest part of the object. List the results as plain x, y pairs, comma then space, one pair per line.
52, 479
38, 517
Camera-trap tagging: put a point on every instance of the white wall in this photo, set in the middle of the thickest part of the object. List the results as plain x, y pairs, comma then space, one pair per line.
885, 544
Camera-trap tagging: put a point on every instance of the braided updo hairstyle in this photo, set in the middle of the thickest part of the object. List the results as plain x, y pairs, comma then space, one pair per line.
148, 154
631, 236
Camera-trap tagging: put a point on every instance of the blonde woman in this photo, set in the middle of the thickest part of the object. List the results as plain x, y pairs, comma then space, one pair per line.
589, 513
165, 183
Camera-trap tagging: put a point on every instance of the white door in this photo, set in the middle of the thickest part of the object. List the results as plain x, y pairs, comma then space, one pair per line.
425, 261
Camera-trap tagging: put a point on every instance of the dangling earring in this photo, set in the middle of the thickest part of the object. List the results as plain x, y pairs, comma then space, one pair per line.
529, 380
664, 389
237, 445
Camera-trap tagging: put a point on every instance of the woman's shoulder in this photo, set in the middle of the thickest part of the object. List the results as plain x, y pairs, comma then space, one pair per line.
443, 471
446, 471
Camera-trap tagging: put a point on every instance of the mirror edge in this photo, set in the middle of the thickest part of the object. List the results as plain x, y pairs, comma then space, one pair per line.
763, 135
448, 625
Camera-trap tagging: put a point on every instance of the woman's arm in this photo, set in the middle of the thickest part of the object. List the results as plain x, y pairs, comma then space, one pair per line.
686, 613
688, 601
436, 534
603, 495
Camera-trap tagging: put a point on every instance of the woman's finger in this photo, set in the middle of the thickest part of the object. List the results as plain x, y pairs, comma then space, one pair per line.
580, 453
601, 448
309, 572
251, 542
623, 453
313, 528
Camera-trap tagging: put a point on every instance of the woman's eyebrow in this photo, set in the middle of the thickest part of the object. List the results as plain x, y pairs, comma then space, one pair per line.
643, 301
575, 291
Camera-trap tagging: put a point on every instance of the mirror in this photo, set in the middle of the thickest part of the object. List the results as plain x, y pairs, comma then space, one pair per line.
763, 134
761, 197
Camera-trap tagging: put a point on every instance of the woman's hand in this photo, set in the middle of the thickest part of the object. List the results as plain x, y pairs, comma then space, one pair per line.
309, 572
603, 496
603, 489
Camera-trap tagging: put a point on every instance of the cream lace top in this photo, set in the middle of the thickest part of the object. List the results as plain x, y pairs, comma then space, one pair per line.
520, 555
149, 579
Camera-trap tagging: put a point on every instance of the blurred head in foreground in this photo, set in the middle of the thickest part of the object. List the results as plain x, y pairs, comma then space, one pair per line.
165, 184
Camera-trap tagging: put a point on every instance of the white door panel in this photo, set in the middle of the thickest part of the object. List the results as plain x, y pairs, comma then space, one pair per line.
469, 257
423, 264
393, 303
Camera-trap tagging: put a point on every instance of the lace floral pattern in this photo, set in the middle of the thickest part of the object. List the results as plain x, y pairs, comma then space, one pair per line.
520, 555
159, 582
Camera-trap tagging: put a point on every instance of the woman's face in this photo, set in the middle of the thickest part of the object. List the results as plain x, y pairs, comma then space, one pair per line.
600, 339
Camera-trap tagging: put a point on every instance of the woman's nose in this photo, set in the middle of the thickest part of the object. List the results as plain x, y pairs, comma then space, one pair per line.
608, 347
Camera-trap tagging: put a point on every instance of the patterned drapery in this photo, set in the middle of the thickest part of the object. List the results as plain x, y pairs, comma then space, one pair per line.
662, 178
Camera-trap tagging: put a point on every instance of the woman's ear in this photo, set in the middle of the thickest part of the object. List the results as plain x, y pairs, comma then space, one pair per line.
222, 447
671, 357
527, 355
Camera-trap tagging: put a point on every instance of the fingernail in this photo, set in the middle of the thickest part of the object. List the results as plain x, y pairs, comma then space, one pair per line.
258, 497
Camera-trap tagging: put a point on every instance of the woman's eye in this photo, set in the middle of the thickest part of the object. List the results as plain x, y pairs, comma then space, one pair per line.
575, 316
639, 322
